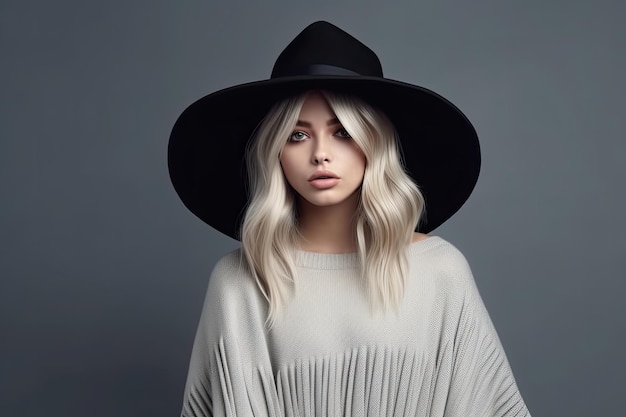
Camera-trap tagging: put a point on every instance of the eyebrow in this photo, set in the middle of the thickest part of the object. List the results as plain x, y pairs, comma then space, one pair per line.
331, 122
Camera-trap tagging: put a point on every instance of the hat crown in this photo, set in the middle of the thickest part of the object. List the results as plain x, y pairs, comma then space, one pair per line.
324, 49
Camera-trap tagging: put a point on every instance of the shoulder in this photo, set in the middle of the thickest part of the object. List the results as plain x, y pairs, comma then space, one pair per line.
234, 307
437, 251
232, 298
230, 279
439, 261
231, 264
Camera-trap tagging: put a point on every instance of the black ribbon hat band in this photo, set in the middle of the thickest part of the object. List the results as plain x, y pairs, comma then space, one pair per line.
314, 69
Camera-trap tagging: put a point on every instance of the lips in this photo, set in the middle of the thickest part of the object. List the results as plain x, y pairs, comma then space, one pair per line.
323, 175
323, 180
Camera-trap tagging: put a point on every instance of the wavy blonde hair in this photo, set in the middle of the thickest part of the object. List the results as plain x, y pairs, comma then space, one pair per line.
390, 204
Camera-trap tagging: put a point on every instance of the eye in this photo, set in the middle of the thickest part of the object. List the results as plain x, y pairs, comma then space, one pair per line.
343, 133
297, 136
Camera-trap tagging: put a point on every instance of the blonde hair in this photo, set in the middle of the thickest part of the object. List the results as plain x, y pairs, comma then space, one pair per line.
390, 204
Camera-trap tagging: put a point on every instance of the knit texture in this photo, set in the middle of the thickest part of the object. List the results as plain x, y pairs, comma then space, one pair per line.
330, 355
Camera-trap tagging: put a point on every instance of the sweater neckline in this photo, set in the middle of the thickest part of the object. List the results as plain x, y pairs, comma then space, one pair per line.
317, 260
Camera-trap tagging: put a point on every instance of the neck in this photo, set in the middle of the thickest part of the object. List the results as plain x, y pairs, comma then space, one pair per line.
328, 229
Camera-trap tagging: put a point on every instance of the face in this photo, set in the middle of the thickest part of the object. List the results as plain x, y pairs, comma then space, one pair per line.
320, 160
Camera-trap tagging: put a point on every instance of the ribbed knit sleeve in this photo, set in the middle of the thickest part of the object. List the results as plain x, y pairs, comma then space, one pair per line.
482, 383
230, 367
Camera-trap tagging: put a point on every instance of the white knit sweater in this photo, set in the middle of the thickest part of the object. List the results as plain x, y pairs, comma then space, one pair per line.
327, 355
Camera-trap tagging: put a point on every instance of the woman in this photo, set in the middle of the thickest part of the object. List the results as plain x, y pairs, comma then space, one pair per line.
338, 302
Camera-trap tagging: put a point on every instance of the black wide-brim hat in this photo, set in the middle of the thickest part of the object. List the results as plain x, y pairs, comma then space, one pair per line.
208, 141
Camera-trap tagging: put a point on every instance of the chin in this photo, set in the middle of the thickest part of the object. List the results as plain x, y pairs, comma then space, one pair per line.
330, 201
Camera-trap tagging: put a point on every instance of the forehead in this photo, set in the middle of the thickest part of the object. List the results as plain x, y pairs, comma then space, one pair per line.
315, 106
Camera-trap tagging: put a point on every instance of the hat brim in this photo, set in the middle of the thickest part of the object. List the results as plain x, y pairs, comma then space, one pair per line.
207, 144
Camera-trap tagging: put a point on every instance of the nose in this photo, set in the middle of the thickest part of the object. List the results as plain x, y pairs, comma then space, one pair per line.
321, 152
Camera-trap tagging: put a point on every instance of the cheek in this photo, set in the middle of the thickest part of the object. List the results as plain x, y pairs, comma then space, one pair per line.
357, 158
362, 167
288, 165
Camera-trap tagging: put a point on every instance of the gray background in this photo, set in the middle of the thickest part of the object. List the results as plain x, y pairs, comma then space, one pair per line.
103, 271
